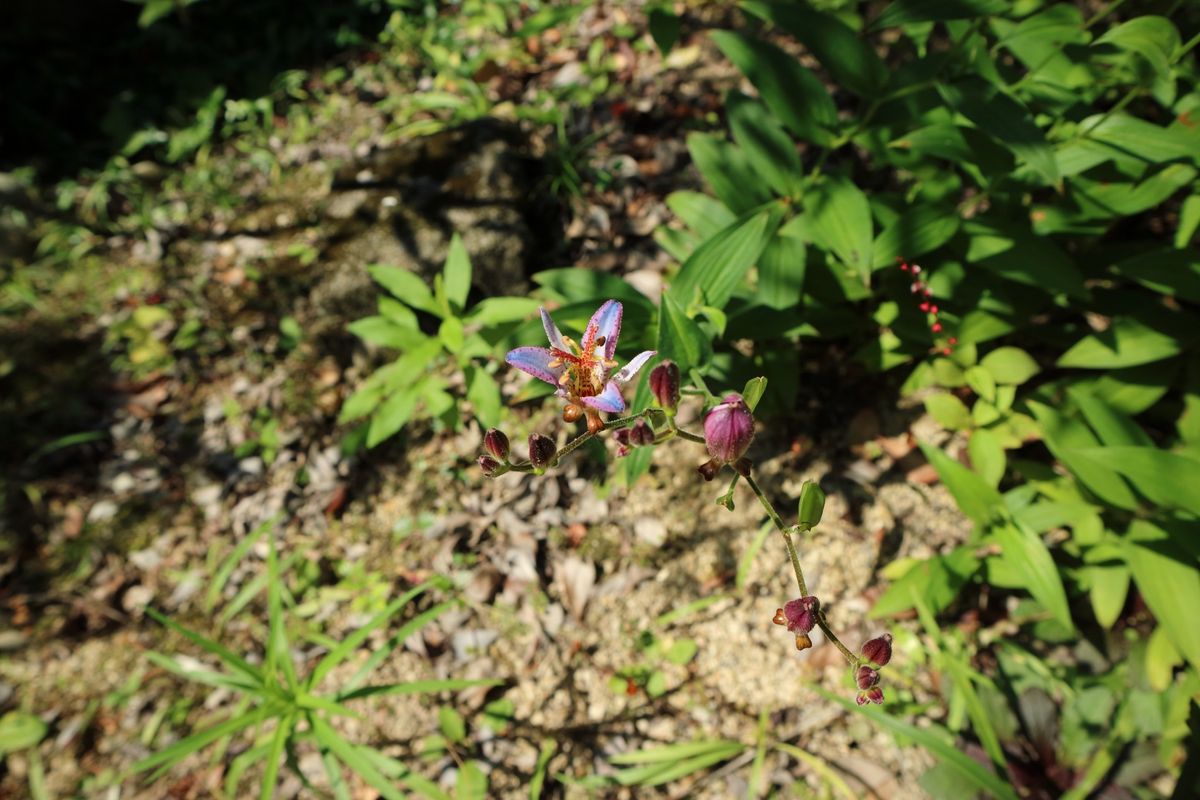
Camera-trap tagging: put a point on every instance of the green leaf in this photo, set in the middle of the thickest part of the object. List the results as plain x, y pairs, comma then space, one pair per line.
1137, 137
681, 651
1108, 575
1189, 221
1126, 343
701, 213
770, 150
975, 498
906, 12
456, 273
753, 391
1028, 555
1064, 436
586, 286
1010, 366
501, 310
539, 771
718, 266
851, 61
453, 726
679, 337
231, 659
386, 332
675, 752
233, 560
201, 739
450, 334
937, 581
354, 759
1004, 119
1164, 270
918, 231
405, 286
981, 382
781, 270
987, 456
727, 169
937, 741
1015, 253
795, 95
283, 732
664, 28
416, 687
19, 730
948, 411
1169, 583
1153, 38
1113, 427
841, 218
1168, 479
391, 416
484, 394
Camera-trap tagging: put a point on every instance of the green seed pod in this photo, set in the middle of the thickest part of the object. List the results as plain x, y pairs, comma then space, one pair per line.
812, 504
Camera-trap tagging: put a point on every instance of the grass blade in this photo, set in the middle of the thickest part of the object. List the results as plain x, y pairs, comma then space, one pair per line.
185, 747
674, 752
223, 572
539, 771
826, 772
231, 659
406, 630
353, 759
207, 677
417, 687
271, 774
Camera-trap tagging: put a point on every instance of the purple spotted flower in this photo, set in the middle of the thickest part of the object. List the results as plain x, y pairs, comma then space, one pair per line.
583, 373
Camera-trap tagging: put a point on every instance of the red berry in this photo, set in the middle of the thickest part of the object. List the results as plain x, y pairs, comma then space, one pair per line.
946, 351
937, 327
933, 309
924, 307
953, 340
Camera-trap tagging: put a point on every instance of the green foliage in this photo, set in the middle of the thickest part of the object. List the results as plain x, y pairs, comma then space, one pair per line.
283, 708
468, 340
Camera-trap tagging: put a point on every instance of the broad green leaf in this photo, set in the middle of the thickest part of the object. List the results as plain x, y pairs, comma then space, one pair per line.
472, 782
405, 286
1113, 427
1009, 365
1139, 138
386, 332
664, 26
941, 139
20, 730
905, 12
1064, 436
981, 382
727, 169
1099, 199
770, 150
841, 217
850, 59
484, 394
361, 403
919, 230
1153, 38
948, 411
456, 273
501, 310
1015, 253
978, 501
937, 741
1168, 479
1108, 575
781, 270
1004, 119
987, 456
1029, 556
1167, 577
679, 337
453, 726
1189, 221
1164, 270
701, 213
719, 265
1161, 660
938, 580
586, 286
753, 391
795, 95
1126, 343
391, 416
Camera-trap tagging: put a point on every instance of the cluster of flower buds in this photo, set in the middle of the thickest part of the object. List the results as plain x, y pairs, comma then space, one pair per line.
639, 434
728, 431
926, 304
800, 617
876, 653
495, 463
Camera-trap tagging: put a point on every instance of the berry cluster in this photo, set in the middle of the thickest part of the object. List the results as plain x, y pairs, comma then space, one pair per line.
928, 307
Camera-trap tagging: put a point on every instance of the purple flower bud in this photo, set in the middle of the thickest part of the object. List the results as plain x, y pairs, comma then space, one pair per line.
541, 450
664, 385
728, 429
801, 614
490, 466
641, 435
866, 677
496, 443
872, 695
878, 650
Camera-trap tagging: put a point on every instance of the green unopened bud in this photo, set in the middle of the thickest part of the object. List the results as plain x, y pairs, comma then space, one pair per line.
812, 504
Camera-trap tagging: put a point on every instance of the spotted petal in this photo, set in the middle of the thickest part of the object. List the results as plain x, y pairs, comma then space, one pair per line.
629, 370
609, 400
536, 362
605, 322
553, 333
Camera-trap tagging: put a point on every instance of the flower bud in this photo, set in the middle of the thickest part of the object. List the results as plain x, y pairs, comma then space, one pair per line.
728, 429
801, 614
541, 450
640, 434
878, 650
872, 695
866, 677
812, 504
490, 466
664, 385
496, 443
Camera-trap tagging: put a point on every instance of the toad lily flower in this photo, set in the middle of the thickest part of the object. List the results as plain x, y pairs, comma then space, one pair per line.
582, 372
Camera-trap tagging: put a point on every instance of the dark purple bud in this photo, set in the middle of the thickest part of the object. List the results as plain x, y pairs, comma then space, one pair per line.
496, 443
541, 450
490, 466
742, 466
664, 385
728, 429
801, 615
709, 469
878, 650
866, 677
641, 435
875, 695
